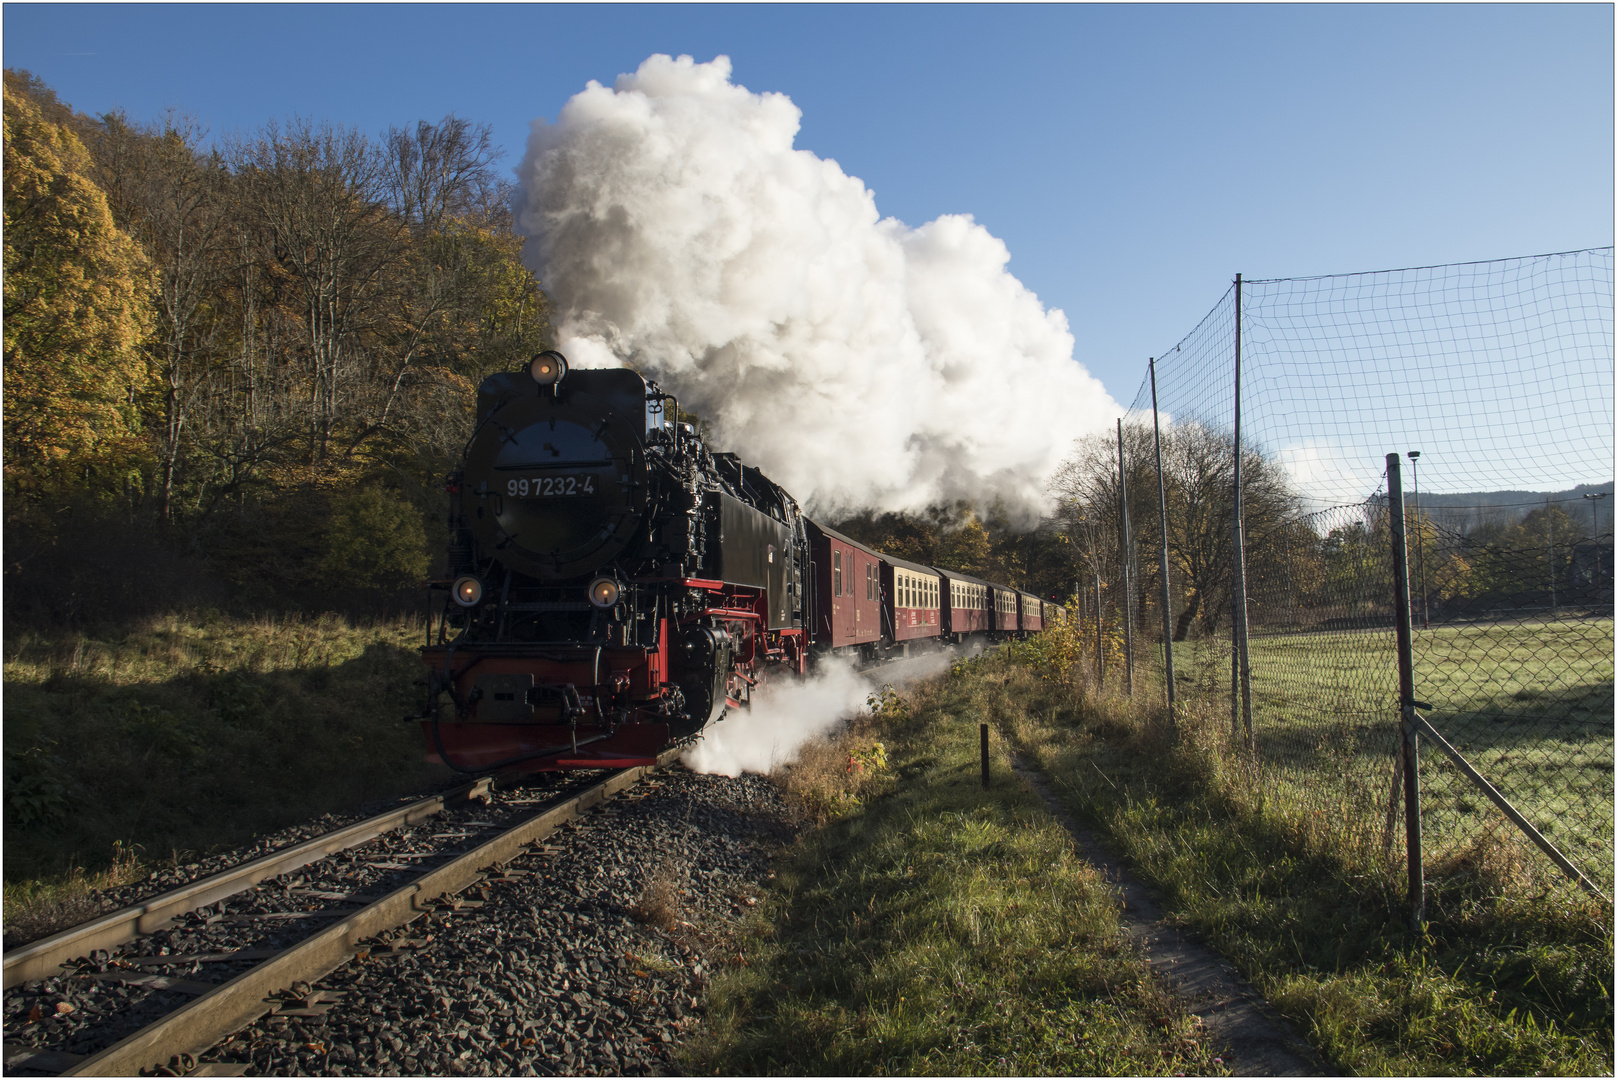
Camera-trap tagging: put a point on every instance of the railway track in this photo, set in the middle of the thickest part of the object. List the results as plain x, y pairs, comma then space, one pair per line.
159, 983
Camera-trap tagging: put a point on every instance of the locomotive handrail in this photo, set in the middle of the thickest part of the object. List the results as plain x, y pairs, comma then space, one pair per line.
539, 647
722, 613
568, 464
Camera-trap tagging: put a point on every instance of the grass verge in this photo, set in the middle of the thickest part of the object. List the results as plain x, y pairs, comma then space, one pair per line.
188, 734
1513, 974
922, 925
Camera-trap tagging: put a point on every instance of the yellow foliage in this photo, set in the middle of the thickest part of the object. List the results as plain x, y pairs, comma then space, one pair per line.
1065, 650
75, 306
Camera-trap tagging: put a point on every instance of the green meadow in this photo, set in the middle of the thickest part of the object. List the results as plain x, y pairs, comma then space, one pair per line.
1529, 704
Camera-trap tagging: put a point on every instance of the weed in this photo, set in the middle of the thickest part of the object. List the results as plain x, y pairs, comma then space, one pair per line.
659, 903
835, 777
36, 909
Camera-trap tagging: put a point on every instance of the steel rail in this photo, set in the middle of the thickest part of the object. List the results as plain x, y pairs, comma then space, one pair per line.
42, 958
221, 1012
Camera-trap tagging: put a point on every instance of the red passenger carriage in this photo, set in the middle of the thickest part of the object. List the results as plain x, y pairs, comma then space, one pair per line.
847, 607
912, 601
1003, 616
1032, 613
967, 611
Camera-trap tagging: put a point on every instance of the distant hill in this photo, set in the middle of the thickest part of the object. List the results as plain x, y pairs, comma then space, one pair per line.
1468, 508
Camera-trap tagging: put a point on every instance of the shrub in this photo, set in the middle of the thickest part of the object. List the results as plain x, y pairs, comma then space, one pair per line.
375, 538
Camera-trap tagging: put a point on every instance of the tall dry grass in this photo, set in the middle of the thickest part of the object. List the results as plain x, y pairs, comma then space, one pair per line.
143, 746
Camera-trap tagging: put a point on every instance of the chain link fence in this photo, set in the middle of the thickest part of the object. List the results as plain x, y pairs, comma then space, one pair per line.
1515, 658
1494, 381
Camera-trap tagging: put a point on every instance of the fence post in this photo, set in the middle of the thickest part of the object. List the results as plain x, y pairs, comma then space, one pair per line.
1100, 643
1549, 530
1409, 739
1125, 542
983, 730
1242, 658
1162, 517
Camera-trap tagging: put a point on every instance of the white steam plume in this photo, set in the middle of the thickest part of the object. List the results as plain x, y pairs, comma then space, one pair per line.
785, 714
858, 361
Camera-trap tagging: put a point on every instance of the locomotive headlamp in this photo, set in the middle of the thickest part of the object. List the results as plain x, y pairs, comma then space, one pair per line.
548, 367
604, 592
468, 591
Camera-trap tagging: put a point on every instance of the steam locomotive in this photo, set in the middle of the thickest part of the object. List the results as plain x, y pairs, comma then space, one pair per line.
615, 586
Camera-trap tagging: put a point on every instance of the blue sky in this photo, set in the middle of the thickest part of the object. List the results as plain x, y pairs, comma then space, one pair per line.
1133, 158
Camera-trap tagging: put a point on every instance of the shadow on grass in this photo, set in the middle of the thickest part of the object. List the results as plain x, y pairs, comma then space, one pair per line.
97, 765
1563, 722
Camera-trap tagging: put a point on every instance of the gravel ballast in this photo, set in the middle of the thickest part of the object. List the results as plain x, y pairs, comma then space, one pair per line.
589, 956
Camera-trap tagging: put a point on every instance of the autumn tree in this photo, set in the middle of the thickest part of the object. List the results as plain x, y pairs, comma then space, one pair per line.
1528, 561
313, 195
1088, 489
1198, 467
277, 342
463, 305
76, 289
176, 201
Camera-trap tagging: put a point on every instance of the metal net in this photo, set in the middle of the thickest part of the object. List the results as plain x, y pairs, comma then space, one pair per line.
1494, 382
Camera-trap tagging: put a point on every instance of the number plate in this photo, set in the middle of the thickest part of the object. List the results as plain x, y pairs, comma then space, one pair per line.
551, 487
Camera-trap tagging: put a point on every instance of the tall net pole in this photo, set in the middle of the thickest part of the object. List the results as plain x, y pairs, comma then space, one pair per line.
1125, 540
1242, 659
1100, 643
1162, 519
1406, 695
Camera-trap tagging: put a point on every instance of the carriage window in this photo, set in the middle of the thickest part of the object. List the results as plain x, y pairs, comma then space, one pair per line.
836, 573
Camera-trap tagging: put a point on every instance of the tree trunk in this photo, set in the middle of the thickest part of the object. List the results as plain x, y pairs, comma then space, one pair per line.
1182, 625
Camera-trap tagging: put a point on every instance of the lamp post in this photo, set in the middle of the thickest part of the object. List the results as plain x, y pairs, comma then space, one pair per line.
1594, 498
1420, 543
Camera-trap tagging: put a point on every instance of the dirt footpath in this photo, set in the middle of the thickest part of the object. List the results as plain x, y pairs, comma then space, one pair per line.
1259, 1042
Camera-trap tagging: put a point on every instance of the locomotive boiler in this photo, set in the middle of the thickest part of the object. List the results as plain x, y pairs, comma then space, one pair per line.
614, 585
